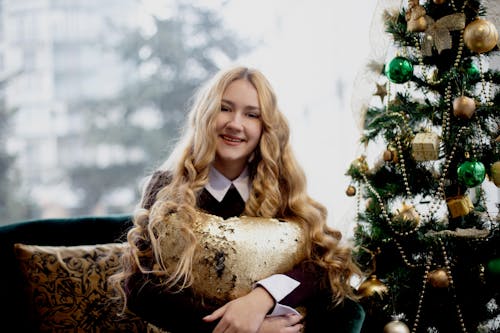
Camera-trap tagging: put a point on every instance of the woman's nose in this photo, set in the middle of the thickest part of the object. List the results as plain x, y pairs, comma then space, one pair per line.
235, 121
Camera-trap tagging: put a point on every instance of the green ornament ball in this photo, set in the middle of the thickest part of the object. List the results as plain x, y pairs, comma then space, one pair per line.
494, 266
399, 70
472, 70
471, 173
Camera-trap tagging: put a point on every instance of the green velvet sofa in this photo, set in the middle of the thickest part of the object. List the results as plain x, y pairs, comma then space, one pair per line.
54, 278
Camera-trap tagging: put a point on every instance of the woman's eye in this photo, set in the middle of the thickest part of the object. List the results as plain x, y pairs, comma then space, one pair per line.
253, 115
224, 108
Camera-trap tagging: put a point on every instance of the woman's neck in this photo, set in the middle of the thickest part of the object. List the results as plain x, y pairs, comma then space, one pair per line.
230, 170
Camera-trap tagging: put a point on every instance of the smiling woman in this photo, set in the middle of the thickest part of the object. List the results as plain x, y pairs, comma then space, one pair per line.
232, 188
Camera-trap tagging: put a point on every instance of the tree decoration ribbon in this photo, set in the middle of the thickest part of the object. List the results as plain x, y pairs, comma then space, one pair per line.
438, 34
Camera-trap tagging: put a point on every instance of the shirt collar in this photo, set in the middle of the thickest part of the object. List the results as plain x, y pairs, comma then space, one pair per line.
218, 184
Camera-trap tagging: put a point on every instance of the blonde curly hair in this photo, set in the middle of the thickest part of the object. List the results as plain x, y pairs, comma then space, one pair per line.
278, 191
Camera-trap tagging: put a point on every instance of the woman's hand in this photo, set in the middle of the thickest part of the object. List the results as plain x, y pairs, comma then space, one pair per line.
244, 314
282, 324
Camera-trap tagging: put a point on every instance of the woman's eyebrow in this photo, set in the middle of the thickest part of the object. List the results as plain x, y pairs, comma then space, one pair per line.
248, 107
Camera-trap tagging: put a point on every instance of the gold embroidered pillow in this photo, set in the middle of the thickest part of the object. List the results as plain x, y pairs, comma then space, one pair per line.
69, 287
235, 253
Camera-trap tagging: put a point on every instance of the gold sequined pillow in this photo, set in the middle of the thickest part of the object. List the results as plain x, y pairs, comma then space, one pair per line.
68, 287
235, 253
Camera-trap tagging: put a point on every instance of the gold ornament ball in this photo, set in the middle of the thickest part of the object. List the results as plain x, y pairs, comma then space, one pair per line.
464, 107
372, 286
417, 25
360, 164
439, 2
369, 203
350, 191
388, 155
438, 278
495, 173
396, 326
480, 36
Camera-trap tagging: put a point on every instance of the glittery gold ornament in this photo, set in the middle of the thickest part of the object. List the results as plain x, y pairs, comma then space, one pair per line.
425, 146
234, 253
459, 205
372, 286
480, 36
360, 164
407, 217
350, 191
396, 326
495, 173
464, 107
438, 278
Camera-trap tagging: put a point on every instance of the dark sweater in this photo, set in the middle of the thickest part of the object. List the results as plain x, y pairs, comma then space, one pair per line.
177, 312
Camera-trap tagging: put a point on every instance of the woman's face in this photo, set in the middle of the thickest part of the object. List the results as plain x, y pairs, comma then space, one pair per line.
238, 127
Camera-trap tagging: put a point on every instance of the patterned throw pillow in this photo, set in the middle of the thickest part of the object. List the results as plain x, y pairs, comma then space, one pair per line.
69, 291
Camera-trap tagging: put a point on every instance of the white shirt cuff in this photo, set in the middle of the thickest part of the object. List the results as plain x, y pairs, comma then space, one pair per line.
279, 286
281, 310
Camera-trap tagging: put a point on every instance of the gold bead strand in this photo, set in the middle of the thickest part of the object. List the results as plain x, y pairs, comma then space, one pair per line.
379, 199
448, 161
447, 111
384, 211
404, 257
358, 203
455, 8
487, 93
460, 49
401, 164
452, 286
422, 296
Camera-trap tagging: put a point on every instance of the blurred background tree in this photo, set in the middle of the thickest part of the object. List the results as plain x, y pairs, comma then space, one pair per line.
427, 183
14, 203
135, 129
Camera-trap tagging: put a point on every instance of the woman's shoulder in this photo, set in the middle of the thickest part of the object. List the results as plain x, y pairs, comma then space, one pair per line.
157, 180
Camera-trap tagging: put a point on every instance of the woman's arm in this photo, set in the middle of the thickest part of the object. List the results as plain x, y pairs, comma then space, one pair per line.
175, 312
313, 282
244, 314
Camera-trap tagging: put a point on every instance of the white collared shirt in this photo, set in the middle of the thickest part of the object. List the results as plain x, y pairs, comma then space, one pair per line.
277, 285
218, 184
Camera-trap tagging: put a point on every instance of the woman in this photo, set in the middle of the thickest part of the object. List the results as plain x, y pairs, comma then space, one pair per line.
234, 159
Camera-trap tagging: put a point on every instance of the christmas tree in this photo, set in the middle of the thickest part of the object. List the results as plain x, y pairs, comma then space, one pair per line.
426, 181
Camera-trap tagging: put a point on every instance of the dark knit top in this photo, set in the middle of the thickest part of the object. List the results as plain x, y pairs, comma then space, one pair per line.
182, 312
